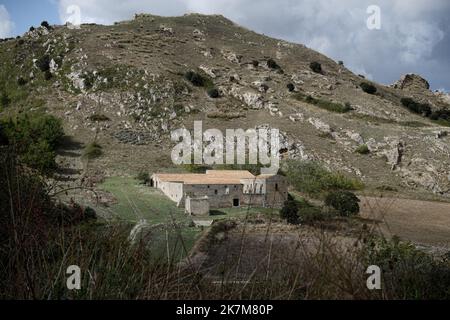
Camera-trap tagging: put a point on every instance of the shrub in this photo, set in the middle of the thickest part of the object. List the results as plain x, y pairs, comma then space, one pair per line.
290, 87
408, 273
316, 67
21, 81
99, 118
440, 114
368, 88
363, 149
45, 25
43, 63
4, 100
92, 151
309, 213
48, 75
289, 212
143, 177
35, 138
213, 93
340, 62
311, 178
416, 107
272, 64
195, 78
345, 202
324, 104
31, 29
255, 63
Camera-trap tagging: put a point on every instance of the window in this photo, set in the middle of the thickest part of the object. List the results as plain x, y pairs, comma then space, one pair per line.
227, 190
216, 191
276, 186
236, 203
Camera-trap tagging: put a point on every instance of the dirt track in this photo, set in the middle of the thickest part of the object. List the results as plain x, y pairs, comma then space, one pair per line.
423, 222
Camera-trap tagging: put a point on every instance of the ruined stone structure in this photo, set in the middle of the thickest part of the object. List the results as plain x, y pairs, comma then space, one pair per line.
222, 189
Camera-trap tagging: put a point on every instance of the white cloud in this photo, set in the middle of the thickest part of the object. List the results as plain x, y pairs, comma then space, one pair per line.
6, 25
409, 32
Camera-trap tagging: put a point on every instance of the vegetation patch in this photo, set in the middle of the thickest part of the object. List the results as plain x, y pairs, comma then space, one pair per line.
363, 149
99, 118
92, 151
368, 88
313, 179
345, 203
441, 117
35, 138
316, 67
324, 104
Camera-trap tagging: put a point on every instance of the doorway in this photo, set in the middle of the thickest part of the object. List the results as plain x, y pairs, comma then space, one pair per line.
236, 203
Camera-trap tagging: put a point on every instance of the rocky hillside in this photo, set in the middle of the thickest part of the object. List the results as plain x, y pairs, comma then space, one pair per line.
128, 85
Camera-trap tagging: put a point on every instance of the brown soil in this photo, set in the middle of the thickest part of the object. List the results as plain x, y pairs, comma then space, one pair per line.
423, 222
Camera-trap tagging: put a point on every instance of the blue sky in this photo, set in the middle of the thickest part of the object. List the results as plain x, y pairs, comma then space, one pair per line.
414, 35
25, 13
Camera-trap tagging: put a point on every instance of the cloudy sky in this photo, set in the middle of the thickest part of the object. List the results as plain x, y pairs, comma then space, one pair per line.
414, 34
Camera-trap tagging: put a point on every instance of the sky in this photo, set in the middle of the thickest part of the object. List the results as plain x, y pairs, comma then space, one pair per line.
413, 35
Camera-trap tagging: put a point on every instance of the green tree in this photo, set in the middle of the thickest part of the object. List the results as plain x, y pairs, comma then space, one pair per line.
289, 212
345, 202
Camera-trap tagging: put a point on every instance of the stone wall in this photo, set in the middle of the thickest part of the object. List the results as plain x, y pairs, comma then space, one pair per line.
220, 196
276, 191
197, 206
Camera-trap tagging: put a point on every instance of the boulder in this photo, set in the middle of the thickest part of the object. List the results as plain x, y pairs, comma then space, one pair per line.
411, 81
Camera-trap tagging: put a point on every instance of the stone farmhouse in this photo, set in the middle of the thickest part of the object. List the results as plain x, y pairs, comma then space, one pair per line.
215, 189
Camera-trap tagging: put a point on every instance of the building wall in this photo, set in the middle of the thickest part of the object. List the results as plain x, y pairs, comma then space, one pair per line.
197, 206
276, 191
220, 196
173, 190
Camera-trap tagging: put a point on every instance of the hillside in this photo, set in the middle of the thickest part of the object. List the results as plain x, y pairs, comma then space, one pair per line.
125, 87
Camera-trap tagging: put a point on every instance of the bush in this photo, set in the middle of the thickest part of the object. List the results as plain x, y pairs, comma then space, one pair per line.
309, 213
363, 149
143, 177
213, 93
316, 67
416, 107
368, 88
4, 100
48, 75
289, 212
408, 273
311, 178
35, 139
43, 63
324, 104
272, 64
290, 87
440, 115
21, 81
345, 202
99, 118
92, 151
45, 25
31, 29
195, 78
255, 63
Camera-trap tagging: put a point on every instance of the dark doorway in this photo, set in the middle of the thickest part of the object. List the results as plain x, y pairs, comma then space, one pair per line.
236, 203
152, 183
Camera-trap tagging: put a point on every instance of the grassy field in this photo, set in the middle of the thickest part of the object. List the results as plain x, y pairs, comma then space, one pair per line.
136, 202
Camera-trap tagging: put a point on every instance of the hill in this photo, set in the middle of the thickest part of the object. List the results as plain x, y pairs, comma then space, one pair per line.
125, 87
